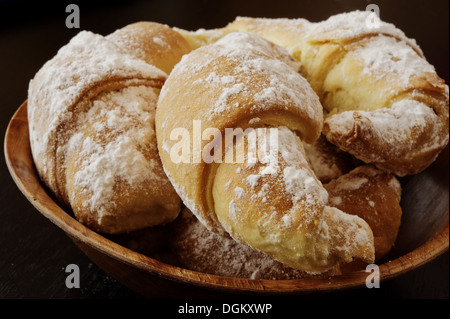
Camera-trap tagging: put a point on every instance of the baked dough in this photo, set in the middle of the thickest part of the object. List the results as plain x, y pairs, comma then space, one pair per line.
275, 206
157, 44
327, 161
91, 112
374, 195
384, 102
362, 190
368, 192
196, 248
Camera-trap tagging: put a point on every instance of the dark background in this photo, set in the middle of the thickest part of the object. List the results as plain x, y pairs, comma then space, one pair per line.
33, 251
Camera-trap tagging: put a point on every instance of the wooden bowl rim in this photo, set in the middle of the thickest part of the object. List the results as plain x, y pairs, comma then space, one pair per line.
423, 254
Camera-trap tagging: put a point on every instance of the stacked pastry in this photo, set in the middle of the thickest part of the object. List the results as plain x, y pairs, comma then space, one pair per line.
347, 106
384, 102
365, 191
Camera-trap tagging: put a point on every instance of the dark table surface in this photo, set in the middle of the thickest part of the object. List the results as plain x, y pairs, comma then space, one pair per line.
34, 252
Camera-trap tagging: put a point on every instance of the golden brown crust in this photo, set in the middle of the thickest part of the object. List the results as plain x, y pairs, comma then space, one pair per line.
94, 164
387, 104
327, 161
54, 107
114, 137
196, 248
374, 195
216, 87
155, 43
275, 206
404, 138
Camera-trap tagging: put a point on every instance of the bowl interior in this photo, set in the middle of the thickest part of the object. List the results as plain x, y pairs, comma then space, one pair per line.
423, 234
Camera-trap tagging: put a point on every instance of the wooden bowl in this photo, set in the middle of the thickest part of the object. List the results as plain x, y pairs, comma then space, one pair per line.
423, 235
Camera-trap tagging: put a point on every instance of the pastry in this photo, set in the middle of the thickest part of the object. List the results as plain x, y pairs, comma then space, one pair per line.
196, 248
201, 37
327, 161
91, 112
384, 102
245, 87
256, 131
374, 195
155, 43
358, 189
368, 192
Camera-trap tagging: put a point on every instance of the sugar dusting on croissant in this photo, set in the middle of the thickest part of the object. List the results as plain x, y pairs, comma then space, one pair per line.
384, 102
105, 113
197, 248
278, 207
91, 113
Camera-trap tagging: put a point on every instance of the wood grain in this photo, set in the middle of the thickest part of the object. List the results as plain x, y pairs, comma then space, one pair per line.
423, 236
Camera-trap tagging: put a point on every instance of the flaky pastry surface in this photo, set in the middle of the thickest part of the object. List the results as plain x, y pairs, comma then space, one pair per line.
384, 102
243, 81
91, 112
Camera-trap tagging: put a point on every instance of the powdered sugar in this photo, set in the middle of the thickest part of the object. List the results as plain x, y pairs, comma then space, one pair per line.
239, 192
322, 167
201, 250
159, 41
300, 183
253, 180
221, 103
391, 126
299, 179
388, 57
241, 46
394, 184
352, 184
355, 24
233, 209
87, 59
125, 120
247, 56
287, 168
349, 234
336, 200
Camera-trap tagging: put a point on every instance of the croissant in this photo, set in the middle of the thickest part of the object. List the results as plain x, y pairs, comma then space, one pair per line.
366, 191
384, 102
374, 195
196, 248
91, 112
240, 90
